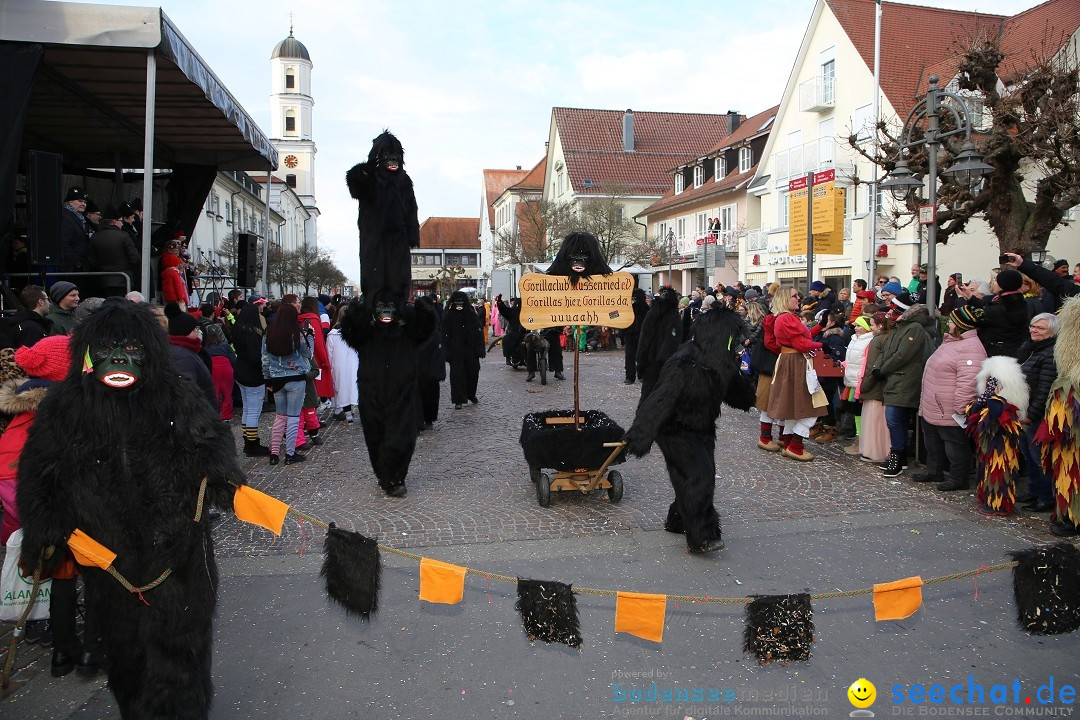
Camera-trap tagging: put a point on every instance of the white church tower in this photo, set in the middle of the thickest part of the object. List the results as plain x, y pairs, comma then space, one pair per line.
291, 106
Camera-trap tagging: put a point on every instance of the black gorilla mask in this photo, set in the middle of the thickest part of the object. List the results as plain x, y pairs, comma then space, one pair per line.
118, 364
578, 262
458, 306
385, 313
387, 152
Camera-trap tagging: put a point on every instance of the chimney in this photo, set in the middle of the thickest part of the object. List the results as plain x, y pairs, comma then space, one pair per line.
734, 120
518, 167
628, 131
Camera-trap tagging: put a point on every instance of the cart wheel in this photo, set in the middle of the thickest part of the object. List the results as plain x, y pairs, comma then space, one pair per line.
543, 490
543, 370
534, 474
614, 492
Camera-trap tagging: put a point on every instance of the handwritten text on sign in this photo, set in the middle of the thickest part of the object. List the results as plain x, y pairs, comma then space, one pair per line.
550, 301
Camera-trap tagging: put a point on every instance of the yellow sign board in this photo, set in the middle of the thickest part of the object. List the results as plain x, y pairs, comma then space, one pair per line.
828, 218
832, 242
550, 301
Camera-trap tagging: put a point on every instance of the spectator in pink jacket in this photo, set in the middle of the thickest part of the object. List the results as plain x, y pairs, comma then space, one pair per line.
948, 385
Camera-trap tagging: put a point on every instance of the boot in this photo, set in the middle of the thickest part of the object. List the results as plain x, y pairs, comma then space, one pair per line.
559, 376
952, 484
765, 441
529, 377
785, 438
893, 466
827, 435
817, 429
885, 465
853, 448
795, 450
252, 448
923, 477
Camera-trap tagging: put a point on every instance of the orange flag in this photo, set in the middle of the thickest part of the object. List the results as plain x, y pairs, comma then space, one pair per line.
90, 552
260, 509
441, 582
898, 599
641, 614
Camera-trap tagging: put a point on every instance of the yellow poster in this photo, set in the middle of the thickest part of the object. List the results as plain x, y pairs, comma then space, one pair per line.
550, 301
832, 242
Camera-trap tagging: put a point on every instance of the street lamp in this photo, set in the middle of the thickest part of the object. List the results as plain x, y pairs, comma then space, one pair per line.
967, 168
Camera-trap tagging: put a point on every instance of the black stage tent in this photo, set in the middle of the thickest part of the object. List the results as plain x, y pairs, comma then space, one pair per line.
111, 87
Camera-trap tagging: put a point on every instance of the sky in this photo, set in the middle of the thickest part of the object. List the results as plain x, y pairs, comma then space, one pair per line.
469, 85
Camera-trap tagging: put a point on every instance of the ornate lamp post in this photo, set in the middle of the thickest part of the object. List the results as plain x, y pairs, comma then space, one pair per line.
967, 167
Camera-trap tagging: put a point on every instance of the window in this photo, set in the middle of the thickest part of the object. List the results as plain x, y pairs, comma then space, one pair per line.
701, 223
662, 231
862, 123
728, 214
782, 211
826, 143
559, 180
290, 80
679, 181
228, 211
828, 77
976, 108
290, 180
680, 224
745, 159
468, 260
699, 175
620, 214
290, 122
719, 168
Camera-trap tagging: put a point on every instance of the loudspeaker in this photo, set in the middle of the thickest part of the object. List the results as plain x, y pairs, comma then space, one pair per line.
247, 260
45, 201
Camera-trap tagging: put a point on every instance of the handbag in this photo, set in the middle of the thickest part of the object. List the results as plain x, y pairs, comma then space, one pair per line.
762, 360
827, 366
744, 362
16, 591
817, 396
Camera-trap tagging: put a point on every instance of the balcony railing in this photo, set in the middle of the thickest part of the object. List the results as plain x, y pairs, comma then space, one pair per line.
821, 154
816, 94
757, 240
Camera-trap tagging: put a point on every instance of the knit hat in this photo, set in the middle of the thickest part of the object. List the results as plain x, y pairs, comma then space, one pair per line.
87, 306
708, 301
1061, 263
892, 287
817, 286
49, 358
75, 193
60, 290
862, 322
256, 300
964, 318
182, 324
750, 294
1009, 280
899, 305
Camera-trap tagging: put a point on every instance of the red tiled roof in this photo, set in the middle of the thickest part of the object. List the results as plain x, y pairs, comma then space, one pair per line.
592, 144
535, 179
450, 233
750, 128
913, 38
495, 183
1036, 34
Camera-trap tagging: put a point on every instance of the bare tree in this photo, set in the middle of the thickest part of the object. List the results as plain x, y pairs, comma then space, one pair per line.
326, 275
281, 269
528, 242
1032, 142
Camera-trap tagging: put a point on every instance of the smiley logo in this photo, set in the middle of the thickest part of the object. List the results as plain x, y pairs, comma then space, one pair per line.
862, 693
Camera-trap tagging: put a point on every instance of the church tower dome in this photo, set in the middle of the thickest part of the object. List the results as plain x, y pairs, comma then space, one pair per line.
290, 47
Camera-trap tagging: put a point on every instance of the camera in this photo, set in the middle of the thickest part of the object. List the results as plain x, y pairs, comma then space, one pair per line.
1004, 259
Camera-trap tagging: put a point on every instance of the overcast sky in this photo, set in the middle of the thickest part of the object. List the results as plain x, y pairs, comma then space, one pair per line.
470, 85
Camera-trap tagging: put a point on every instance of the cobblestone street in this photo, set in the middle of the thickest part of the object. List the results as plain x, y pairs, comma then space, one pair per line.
469, 482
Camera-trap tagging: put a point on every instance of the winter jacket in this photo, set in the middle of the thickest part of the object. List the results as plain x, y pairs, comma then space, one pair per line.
870, 387
63, 321
948, 382
1040, 371
27, 327
111, 250
1003, 324
790, 332
248, 346
902, 357
192, 364
281, 366
324, 384
19, 398
861, 298
856, 357
173, 286
1058, 286
822, 304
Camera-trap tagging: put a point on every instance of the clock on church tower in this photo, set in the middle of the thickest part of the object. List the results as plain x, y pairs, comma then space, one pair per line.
291, 161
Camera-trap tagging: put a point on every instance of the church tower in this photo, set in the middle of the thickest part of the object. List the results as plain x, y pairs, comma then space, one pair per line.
291, 106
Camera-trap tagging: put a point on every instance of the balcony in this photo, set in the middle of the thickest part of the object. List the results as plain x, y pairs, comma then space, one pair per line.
821, 154
816, 94
757, 240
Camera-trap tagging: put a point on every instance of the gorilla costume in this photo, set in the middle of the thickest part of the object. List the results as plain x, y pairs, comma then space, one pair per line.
513, 332
387, 221
119, 451
386, 341
661, 335
463, 343
579, 257
680, 416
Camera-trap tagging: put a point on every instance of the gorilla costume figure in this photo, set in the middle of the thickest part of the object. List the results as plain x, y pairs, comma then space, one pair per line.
387, 221
661, 335
463, 343
680, 416
386, 340
120, 451
579, 257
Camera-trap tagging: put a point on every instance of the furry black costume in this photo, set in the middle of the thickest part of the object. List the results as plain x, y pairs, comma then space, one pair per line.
463, 343
386, 342
431, 365
134, 454
513, 333
660, 338
387, 222
579, 257
680, 416
632, 335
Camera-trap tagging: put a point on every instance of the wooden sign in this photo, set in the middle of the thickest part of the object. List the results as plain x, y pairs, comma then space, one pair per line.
550, 301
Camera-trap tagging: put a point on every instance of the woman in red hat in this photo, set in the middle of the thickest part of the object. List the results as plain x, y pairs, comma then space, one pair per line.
173, 286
